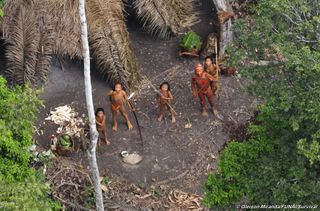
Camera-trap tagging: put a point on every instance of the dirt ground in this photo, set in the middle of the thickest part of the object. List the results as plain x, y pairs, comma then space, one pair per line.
172, 154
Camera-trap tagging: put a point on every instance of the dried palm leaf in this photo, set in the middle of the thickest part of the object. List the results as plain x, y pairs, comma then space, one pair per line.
23, 44
165, 17
10, 10
46, 40
55, 29
65, 19
109, 39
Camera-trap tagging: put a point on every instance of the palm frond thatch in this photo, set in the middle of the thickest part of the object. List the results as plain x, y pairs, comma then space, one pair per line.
10, 10
46, 41
56, 30
109, 39
23, 45
165, 17
65, 19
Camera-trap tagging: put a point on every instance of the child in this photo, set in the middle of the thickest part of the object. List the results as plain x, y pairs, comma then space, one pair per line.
117, 98
165, 99
212, 69
101, 124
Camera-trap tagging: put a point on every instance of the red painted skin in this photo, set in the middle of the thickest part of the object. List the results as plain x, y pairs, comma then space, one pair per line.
200, 84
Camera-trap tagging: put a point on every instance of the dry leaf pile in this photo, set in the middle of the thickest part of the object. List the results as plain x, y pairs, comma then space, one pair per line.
185, 201
72, 186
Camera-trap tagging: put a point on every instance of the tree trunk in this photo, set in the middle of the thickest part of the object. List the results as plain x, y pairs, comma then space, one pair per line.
92, 121
226, 34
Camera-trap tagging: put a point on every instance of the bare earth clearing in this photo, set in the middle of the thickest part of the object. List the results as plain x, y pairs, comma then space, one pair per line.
174, 157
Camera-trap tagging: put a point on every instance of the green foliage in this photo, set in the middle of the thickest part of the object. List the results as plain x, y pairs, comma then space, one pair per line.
90, 199
2, 2
191, 41
106, 180
141, 184
65, 141
18, 109
26, 195
312, 150
228, 184
286, 169
21, 189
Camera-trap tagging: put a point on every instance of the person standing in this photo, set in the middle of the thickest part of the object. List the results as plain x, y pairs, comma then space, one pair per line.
213, 70
200, 84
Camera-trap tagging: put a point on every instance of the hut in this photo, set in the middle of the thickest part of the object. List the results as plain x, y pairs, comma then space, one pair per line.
35, 30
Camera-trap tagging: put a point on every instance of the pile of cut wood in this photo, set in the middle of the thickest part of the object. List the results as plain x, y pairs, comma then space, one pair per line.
68, 120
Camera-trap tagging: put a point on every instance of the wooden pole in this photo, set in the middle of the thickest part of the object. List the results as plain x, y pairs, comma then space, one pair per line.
89, 101
226, 33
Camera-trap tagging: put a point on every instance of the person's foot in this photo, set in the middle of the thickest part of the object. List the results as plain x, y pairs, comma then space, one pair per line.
129, 125
173, 119
107, 142
115, 127
204, 113
99, 142
215, 112
160, 118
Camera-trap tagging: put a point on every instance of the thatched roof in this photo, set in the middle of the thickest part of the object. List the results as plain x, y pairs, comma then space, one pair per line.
109, 39
23, 45
64, 15
165, 17
36, 29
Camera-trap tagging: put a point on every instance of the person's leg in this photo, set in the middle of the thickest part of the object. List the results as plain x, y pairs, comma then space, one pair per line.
213, 87
203, 104
125, 116
114, 117
105, 135
99, 142
209, 95
161, 112
173, 119
216, 88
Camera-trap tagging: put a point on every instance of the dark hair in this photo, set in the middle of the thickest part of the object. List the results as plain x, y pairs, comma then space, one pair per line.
166, 84
116, 83
208, 57
98, 110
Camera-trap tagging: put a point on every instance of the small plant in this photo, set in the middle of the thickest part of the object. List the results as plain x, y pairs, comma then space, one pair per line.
157, 192
191, 41
65, 141
89, 197
106, 180
141, 185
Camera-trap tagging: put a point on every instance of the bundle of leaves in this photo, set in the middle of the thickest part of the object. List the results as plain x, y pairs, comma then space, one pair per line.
191, 41
278, 50
65, 141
